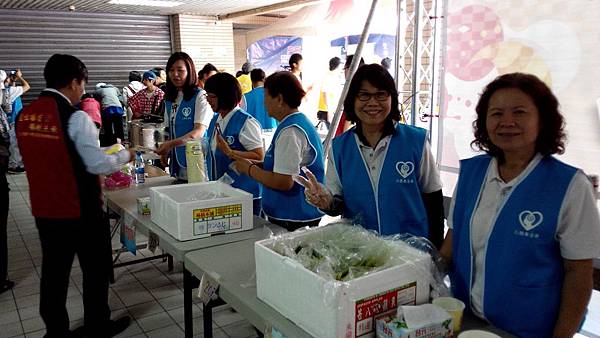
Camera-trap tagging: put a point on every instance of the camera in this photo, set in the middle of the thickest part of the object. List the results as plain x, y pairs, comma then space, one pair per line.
13, 72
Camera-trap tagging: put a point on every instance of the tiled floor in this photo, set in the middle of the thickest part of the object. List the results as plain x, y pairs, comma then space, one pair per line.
147, 292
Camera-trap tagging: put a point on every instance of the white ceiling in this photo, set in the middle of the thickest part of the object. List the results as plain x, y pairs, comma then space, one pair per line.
198, 7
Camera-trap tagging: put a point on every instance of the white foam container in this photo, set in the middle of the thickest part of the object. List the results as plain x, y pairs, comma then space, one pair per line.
331, 309
172, 210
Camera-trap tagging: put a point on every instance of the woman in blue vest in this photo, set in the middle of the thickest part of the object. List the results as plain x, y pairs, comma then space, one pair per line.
232, 133
381, 173
524, 225
295, 145
186, 110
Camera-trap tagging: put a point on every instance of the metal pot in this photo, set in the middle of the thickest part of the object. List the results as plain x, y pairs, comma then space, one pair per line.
146, 134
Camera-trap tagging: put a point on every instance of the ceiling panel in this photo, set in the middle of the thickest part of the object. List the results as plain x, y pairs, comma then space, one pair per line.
198, 7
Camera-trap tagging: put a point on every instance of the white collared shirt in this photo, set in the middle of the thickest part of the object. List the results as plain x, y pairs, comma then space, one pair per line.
578, 230
203, 113
292, 150
429, 178
250, 133
84, 135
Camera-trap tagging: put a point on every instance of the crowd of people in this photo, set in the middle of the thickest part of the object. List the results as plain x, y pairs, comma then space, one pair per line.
524, 227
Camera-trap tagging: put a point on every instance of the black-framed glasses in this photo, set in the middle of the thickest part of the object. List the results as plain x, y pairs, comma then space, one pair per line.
379, 96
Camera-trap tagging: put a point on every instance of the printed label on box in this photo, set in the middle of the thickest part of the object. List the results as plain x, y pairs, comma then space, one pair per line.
368, 308
217, 219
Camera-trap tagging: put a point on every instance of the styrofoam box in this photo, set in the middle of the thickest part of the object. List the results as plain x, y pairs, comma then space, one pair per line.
185, 219
331, 309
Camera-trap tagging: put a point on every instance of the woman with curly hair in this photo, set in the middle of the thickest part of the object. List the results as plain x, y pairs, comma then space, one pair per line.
524, 225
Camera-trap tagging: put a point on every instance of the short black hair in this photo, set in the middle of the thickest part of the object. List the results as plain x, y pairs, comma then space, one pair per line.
226, 88
61, 69
378, 77
157, 70
257, 74
334, 62
386, 63
295, 58
209, 67
286, 84
349, 59
134, 75
551, 137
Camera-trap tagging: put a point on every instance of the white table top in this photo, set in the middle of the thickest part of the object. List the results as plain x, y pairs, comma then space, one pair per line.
233, 267
124, 202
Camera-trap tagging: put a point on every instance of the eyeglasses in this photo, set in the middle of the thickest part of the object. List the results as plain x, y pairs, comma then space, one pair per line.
379, 96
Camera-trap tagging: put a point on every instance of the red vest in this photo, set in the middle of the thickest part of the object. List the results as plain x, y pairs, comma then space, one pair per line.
55, 171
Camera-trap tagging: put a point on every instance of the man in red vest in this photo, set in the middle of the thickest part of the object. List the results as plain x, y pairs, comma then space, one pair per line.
63, 159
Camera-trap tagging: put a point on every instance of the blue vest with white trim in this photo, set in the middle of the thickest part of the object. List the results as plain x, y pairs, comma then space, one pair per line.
291, 205
180, 124
523, 266
398, 206
218, 163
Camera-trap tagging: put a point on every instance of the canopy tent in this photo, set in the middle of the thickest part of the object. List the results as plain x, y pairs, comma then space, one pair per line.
326, 30
331, 20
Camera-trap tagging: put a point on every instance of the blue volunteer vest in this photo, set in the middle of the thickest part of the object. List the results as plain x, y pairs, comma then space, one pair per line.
218, 163
180, 124
398, 206
255, 106
523, 266
291, 205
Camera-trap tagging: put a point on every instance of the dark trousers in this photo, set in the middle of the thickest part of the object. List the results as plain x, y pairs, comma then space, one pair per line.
4, 199
61, 240
112, 126
291, 226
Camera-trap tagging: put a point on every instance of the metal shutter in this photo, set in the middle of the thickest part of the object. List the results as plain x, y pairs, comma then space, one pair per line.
110, 45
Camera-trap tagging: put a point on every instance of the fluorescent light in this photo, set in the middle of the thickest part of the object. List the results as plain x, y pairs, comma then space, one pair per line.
151, 3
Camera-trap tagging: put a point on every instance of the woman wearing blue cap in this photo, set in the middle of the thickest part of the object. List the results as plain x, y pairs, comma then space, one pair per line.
186, 109
145, 103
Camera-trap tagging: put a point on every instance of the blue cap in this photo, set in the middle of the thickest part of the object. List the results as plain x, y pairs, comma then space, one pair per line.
149, 75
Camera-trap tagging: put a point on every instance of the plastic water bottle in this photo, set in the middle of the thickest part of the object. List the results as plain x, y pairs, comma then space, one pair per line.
139, 168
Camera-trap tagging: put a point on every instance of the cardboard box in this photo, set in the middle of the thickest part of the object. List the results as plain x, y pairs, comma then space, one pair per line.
332, 309
175, 211
143, 205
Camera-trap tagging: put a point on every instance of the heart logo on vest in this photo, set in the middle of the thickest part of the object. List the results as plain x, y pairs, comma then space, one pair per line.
405, 168
530, 219
187, 111
229, 140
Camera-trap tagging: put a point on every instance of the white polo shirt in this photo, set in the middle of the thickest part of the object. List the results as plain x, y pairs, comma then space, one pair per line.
428, 179
578, 230
250, 134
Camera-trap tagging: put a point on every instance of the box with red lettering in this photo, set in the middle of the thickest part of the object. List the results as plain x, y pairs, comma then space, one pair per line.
333, 309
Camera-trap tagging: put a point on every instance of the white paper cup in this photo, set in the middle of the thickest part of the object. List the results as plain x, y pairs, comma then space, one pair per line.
477, 334
454, 307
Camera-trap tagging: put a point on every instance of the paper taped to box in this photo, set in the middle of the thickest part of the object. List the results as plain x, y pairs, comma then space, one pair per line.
423, 321
190, 211
332, 309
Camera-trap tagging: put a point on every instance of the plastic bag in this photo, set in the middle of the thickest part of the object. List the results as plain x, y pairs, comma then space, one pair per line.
117, 180
196, 164
343, 251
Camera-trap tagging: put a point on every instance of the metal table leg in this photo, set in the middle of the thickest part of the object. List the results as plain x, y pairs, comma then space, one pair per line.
187, 303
